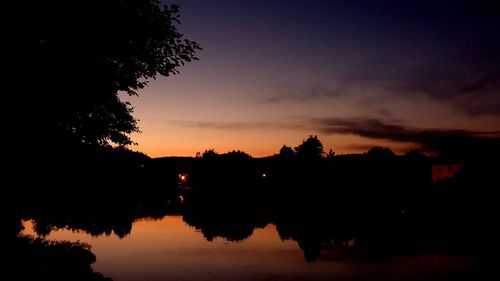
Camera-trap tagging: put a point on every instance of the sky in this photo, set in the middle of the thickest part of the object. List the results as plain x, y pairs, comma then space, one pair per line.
358, 74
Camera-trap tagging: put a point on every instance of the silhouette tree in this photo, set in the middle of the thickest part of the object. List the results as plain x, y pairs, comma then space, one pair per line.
286, 152
209, 154
330, 153
74, 58
310, 149
380, 153
236, 155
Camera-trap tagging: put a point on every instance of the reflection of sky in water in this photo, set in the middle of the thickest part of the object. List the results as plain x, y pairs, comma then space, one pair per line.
169, 249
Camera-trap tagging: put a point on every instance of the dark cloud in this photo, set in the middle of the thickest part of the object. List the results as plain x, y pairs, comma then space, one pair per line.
430, 139
236, 126
384, 112
448, 52
488, 81
448, 141
359, 147
465, 77
304, 94
467, 80
367, 147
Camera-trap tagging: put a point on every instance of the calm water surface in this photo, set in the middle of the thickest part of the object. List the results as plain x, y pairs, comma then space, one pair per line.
169, 249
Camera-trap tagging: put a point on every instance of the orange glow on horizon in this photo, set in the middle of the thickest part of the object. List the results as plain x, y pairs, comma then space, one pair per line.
157, 144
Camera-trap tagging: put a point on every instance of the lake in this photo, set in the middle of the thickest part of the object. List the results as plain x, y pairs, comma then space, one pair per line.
169, 249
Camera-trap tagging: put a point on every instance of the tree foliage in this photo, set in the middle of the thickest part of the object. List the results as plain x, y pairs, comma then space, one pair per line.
381, 153
286, 152
236, 155
72, 59
209, 154
310, 149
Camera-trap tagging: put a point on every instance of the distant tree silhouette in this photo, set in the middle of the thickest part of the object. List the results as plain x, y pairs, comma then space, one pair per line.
310, 149
286, 152
231, 155
330, 153
209, 153
379, 152
236, 155
74, 58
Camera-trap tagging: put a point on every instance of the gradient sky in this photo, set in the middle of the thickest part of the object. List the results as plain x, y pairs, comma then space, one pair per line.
356, 73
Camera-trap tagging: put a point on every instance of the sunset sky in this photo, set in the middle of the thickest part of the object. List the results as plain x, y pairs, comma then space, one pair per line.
401, 74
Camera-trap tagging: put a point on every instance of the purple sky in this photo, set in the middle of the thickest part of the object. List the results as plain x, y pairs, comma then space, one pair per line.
355, 73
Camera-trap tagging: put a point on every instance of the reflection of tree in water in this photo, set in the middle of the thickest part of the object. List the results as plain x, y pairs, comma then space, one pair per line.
98, 217
214, 225
309, 236
376, 205
28, 258
224, 213
94, 227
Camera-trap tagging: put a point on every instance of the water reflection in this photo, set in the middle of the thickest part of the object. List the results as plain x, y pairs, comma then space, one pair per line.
169, 249
321, 221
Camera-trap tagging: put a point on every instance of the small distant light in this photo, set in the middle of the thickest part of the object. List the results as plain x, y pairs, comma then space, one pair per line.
183, 177
264, 175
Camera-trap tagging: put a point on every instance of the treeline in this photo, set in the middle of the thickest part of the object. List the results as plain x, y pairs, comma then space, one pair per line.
387, 204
